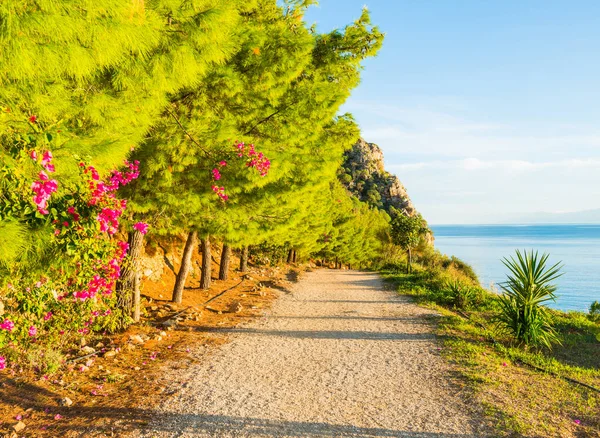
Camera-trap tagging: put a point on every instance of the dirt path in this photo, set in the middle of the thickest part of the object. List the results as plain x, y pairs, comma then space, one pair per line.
338, 356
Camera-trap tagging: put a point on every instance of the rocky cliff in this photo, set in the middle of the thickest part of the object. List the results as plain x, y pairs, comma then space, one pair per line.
364, 175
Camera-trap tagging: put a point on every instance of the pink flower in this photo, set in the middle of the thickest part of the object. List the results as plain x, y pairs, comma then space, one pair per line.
32, 331
577, 421
216, 174
32, 118
33, 155
18, 417
220, 191
504, 364
47, 161
47, 316
223, 163
141, 227
7, 325
2, 362
57, 417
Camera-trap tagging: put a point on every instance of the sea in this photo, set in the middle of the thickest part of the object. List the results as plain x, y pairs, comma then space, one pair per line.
577, 247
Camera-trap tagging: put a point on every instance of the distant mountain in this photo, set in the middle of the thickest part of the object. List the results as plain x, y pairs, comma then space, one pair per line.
364, 175
575, 217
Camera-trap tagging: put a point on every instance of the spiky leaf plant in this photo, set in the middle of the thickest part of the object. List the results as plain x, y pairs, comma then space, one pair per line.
529, 287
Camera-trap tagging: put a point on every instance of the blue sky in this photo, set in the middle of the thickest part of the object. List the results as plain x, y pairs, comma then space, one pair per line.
486, 110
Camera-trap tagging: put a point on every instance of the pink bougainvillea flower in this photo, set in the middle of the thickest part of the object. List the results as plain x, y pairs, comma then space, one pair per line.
33, 119
47, 161
216, 174
33, 155
577, 421
504, 364
142, 227
32, 331
18, 417
58, 417
7, 325
223, 163
220, 191
47, 316
2, 362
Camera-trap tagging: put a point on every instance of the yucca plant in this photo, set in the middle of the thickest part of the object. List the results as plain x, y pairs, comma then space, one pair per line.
460, 293
529, 286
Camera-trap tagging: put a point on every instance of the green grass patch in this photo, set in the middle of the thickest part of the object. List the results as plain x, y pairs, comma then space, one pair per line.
518, 399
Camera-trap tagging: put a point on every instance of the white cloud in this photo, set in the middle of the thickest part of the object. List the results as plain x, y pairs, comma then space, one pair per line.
473, 164
425, 131
460, 167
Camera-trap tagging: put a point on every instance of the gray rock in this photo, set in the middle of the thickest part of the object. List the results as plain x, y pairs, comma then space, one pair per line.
136, 339
65, 402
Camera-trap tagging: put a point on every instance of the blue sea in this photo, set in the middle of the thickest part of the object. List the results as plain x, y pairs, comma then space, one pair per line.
576, 246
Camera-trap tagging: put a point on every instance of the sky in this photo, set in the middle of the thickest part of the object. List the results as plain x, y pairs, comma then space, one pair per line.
486, 110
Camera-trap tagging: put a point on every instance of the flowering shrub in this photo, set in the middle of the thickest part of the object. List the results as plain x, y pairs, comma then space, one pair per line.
62, 290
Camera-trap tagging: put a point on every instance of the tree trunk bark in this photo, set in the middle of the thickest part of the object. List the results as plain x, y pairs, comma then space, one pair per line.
224, 265
137, 299
409, 262
184, 270
244, 259
206, 264
290, 256
337, 263
294, 256
128, 286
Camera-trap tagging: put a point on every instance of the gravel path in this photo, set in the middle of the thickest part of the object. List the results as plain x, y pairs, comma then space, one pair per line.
337, 357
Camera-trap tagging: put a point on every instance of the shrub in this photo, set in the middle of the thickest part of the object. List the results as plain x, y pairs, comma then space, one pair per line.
594, 314
57, 285
523, 314
461, 294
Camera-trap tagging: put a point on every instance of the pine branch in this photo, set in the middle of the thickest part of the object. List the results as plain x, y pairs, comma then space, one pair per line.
208, 154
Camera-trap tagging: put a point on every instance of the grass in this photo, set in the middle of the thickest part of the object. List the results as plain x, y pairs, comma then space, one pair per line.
519, 400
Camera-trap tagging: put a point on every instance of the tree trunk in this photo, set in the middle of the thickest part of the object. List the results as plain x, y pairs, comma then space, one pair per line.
206, 264
409, 261
128, 286
137, 299
224, 265
184, 270
337, 264
290, 256
244, 259
294, 256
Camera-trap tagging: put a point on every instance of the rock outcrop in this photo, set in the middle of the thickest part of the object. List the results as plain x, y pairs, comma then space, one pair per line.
364, 175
